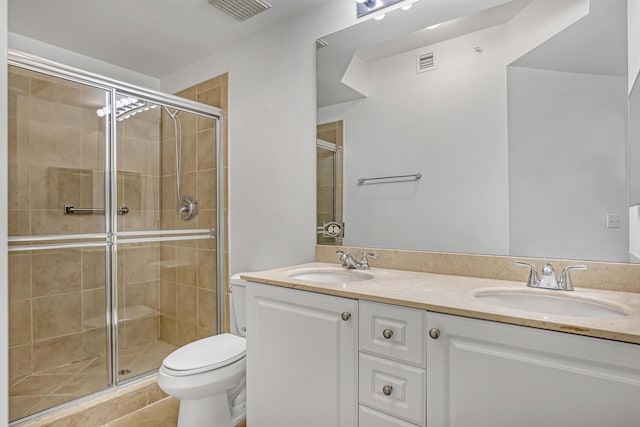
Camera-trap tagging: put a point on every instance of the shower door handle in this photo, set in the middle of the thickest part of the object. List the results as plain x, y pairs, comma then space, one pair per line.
69, 210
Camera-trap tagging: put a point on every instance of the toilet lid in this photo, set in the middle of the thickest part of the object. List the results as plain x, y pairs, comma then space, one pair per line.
206, 354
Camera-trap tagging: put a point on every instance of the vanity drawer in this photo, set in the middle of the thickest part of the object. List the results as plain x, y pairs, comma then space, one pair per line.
371, 418
392, 387
392, 331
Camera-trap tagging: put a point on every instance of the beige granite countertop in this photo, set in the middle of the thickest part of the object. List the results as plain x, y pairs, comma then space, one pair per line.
456, 295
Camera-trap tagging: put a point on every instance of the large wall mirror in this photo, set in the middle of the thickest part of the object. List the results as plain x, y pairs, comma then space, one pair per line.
517, 118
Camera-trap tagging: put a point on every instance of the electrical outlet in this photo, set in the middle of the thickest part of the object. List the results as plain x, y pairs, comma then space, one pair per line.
613, 221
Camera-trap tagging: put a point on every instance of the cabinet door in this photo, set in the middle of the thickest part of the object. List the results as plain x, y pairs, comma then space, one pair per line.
482, 373
301, 359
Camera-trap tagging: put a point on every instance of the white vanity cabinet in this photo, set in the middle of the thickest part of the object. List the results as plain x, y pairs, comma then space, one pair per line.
482, 373
302, 358
315, 360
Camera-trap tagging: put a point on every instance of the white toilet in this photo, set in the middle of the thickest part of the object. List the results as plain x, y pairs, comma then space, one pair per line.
208, 375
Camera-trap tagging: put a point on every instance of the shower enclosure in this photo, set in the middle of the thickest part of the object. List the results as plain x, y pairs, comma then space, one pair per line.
114, 233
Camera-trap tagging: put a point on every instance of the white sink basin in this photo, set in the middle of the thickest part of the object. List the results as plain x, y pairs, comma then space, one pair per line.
550, 304
330, 275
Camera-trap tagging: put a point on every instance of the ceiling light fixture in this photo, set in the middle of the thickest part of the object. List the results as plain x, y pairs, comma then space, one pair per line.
365, 7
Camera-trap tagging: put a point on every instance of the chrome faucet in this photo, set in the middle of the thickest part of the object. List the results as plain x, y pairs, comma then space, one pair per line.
548, 279
350, 262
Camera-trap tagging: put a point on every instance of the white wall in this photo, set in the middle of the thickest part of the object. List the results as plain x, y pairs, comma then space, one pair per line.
567, 136
448, 124
633, 36
356, 76
272, 136
4, 204
540, 21
83, 62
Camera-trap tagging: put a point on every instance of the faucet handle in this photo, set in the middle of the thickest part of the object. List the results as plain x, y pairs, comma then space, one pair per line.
343, 257
533, 280
565, 278
366, 255
364, 262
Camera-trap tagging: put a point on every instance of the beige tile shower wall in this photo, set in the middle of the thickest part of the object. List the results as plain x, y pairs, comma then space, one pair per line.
56, 157
56, 152
188, 269
600, 275
57, 309
139, 189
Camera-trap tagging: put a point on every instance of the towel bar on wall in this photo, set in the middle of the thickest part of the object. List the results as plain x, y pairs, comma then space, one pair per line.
415, 176
68, 210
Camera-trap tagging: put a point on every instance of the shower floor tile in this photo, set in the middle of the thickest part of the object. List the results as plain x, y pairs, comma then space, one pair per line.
43, 390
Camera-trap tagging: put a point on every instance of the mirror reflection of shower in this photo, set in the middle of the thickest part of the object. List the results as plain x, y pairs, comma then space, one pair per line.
186, 205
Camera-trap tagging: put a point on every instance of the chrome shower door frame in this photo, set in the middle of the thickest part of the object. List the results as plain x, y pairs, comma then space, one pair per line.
112, 237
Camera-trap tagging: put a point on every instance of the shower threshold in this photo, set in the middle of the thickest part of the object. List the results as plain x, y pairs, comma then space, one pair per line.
46, 389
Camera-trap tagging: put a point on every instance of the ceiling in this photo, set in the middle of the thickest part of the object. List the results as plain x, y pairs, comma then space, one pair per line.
152, 37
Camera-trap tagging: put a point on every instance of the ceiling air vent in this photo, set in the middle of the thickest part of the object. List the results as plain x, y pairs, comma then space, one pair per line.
320, 43
425, 62
241, 9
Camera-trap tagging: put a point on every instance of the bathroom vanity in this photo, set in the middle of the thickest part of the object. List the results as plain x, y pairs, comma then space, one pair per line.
408, 349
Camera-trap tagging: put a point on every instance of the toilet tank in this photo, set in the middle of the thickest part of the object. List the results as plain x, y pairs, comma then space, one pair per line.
237, 289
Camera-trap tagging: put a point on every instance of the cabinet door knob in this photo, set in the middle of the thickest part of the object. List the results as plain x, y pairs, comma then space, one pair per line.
434, 333
387, 333
387, 390
346, 316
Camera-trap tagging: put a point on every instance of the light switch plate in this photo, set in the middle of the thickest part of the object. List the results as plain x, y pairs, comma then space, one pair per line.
613, 221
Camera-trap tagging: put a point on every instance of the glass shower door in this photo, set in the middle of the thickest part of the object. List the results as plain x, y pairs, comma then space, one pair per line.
58, 300
166, 254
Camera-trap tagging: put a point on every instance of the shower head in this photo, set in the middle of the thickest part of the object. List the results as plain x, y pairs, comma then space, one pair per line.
126, 107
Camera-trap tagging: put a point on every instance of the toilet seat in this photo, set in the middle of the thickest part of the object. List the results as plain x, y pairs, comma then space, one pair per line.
205, 355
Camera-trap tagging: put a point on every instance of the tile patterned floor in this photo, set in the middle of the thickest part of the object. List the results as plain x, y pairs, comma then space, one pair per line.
43, 390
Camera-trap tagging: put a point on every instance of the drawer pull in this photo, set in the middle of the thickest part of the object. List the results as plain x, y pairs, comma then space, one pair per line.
346, 316
434, 333
387, 333
387, 390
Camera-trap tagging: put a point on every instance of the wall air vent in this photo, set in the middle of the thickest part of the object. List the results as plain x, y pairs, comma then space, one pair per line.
241, 9
320, 43
425, 62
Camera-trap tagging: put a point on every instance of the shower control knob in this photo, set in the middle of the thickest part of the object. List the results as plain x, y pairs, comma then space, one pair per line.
346, 316
434, 333
387, 390
387, 333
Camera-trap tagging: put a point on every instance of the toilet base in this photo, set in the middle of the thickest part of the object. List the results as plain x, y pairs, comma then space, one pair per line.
210, 411
238, 414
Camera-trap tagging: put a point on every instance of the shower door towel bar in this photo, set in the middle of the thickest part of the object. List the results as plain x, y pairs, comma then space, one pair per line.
68, 210
415, 176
